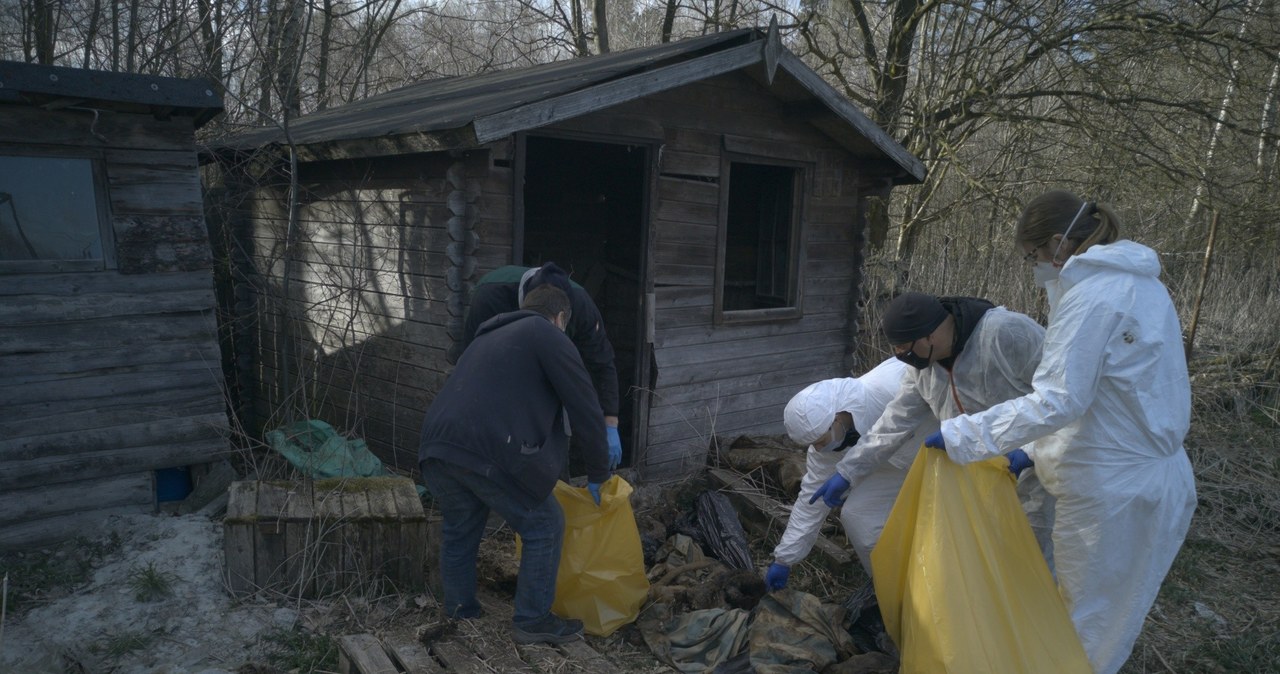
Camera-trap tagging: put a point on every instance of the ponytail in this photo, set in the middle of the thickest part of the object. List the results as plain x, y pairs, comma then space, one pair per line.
1052, 213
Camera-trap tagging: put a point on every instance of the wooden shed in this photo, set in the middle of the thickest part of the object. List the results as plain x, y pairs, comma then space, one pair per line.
109, 360
709, 193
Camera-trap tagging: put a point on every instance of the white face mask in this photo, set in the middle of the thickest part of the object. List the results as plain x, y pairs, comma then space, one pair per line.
1045, 272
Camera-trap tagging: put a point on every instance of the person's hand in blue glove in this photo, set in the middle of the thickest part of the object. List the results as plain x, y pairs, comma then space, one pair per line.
832, 491
615, 446
935, 441
1019, 461
776, 577
594, 488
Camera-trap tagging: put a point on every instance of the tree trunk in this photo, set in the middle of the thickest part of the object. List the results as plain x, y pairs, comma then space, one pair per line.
131, 38
290, 60
322, 59
602, 27
91, 33
43, 27
579, 33
211, 35
1267, 144
1233, 75
669, 19
115, 35
270, 62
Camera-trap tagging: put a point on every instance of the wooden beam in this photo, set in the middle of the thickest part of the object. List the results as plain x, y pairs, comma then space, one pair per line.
414, 658
97, 85
32, 533
58, 469
28, 505
363, 654
458, 658
591, 99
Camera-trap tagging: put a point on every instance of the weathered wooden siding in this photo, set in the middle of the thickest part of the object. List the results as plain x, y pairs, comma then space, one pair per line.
374, 286
106, 376
733, 379
371, 297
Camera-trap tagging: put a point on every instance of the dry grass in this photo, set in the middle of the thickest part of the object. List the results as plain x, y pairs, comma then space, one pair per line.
1219, 607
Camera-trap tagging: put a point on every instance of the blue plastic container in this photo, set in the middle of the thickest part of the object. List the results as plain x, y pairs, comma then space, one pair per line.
173, 484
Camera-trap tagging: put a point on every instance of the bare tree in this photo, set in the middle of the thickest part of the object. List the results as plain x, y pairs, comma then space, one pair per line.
600, 15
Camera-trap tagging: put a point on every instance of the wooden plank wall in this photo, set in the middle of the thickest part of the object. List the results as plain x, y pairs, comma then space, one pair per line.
106, 376
734, 379
366, 328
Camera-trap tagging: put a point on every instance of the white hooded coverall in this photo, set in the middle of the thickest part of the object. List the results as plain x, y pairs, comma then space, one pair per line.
807, 417
996, 364
1110, 410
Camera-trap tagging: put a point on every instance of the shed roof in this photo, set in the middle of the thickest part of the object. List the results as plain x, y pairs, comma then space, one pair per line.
59, 87
459, 112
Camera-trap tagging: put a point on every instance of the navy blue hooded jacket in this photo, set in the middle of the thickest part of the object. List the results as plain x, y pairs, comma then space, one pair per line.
501, 412
498, 292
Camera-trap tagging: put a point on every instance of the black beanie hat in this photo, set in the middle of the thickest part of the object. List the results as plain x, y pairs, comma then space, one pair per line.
911, 316
549, 273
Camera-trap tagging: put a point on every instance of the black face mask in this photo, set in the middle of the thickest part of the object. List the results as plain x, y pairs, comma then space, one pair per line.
851, 438
911, 358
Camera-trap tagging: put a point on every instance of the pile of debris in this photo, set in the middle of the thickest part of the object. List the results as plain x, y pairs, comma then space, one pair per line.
708, 609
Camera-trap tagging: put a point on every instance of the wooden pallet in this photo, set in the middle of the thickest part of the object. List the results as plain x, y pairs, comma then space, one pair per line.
367, 654
465, 653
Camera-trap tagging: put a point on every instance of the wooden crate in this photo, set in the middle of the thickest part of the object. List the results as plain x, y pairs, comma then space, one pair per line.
317, 538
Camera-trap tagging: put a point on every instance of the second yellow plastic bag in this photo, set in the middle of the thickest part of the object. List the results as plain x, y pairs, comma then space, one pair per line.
962, 584
601, 580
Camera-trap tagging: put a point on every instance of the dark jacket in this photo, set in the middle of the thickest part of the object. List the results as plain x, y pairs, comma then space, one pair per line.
501, 412
496, 293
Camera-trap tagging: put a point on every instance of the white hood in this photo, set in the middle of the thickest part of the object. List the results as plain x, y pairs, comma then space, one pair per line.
1123, 256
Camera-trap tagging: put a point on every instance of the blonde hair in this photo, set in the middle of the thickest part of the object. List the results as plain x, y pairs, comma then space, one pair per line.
1051, 213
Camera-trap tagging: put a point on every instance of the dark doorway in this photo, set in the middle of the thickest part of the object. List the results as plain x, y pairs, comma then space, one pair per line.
583, 204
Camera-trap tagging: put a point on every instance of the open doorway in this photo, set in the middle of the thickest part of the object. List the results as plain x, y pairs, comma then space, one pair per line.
583, 206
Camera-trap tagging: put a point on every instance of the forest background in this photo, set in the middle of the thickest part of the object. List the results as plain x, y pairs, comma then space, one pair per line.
1166, 109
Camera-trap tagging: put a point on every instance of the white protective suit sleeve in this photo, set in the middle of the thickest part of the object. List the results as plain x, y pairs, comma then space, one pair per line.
805, 522
906, 417
864, 398
1064, 386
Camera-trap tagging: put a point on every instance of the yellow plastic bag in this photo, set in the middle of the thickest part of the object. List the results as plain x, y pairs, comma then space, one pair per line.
962, 584
601, 579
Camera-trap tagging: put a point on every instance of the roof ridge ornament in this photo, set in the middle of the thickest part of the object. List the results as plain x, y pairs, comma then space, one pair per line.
772, 46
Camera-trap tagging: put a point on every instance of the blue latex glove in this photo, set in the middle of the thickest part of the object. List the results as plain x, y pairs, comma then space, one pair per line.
776, 577
1019, 461
935, 441
615, 446
832, 491
594, 488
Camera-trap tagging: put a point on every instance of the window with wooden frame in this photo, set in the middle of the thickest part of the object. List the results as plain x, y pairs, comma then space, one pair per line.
53, 215
759, 259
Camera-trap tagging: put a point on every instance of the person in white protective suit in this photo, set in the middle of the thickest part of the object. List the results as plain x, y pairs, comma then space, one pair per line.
965, 355
1110, 407
829, 416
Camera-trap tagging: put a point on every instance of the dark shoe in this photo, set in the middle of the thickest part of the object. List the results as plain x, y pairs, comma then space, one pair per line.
550, 629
